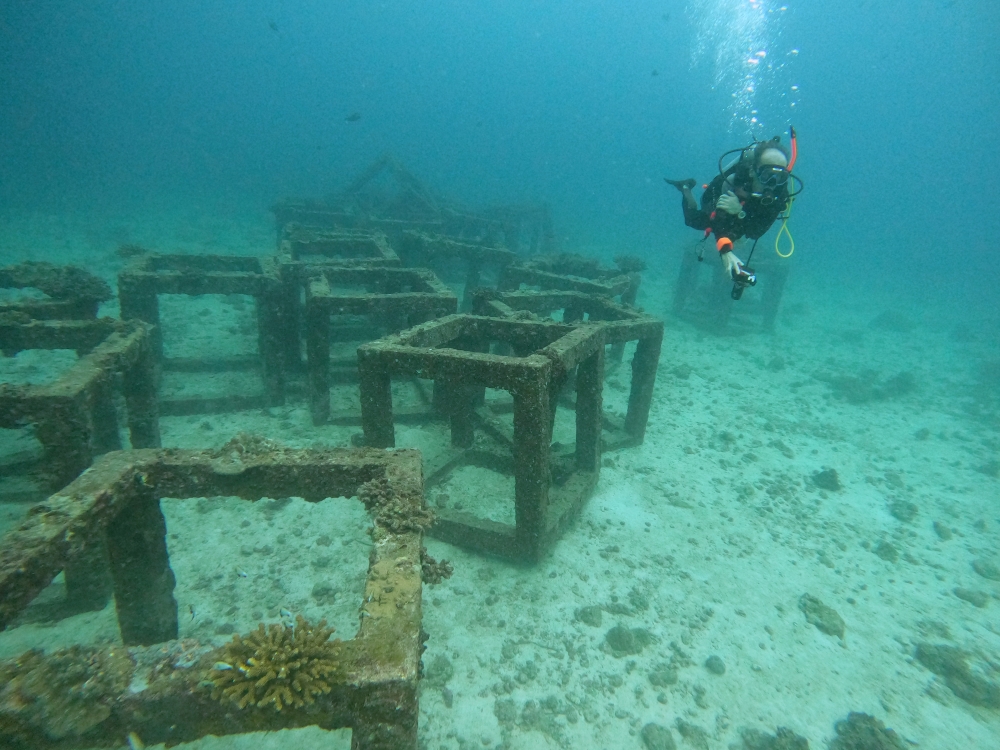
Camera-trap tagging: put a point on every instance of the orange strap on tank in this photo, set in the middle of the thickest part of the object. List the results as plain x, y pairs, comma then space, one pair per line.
724, 244
795, 149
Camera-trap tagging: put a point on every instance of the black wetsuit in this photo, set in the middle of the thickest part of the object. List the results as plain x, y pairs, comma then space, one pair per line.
760, 215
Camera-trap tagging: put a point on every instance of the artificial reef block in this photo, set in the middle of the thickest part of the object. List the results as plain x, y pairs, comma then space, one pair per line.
64, 694
570, 272
444, 253
299, 243
703, 295
75, 414
395, 298
387, 197
308, 252
620, 324
71, 293
542, 357
152, 274
300, 678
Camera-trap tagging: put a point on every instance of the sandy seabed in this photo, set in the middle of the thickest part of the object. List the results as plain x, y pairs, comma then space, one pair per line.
678, 595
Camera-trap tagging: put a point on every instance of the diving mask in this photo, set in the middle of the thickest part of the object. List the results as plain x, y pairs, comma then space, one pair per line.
771, 176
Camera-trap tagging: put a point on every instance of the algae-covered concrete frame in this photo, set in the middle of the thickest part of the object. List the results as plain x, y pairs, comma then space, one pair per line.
576, 273
620, 324
153, 274
306, 212
306, 252
454, 352
311, 217
71, 293
702, 296
163, 697
397, 298
74, 415
422, 249
306, 242
571, 273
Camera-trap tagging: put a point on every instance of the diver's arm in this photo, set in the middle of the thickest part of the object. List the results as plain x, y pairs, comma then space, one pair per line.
730, 263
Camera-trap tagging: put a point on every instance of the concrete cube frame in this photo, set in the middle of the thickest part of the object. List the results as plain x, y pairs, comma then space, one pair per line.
423, 249
153, 274
620, 324
454, 352
71, 293
75, 417
702, 296
307, 251
299, 243
75, 414
552, 274
375, 691
389, 303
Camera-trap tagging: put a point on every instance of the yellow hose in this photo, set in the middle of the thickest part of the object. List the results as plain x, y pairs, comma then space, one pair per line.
784, 229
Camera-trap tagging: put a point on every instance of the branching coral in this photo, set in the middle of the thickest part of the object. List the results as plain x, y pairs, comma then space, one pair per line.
278, 666
398, 513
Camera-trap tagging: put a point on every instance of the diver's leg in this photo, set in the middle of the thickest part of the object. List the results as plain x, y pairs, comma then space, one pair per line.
694, 217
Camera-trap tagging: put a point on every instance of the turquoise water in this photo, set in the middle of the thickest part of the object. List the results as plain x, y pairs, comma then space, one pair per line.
176, 127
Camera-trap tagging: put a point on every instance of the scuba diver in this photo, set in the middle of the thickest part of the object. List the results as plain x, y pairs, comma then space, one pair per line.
745, 198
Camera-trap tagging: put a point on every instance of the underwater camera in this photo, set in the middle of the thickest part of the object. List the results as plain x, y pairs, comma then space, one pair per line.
743, 278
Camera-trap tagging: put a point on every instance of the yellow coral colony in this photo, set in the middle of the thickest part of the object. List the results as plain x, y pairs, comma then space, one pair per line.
278, 666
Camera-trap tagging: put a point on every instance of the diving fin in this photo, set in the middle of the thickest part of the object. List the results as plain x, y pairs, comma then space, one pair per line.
680, 184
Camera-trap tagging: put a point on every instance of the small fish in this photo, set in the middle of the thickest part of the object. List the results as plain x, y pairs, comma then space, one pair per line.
353, 117
241, 573
134, 742
273, 24
191, 609
656, 72
221, 666
284, 612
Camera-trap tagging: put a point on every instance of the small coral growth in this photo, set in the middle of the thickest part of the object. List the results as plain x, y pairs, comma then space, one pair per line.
432, 571
396, 512
278, 666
